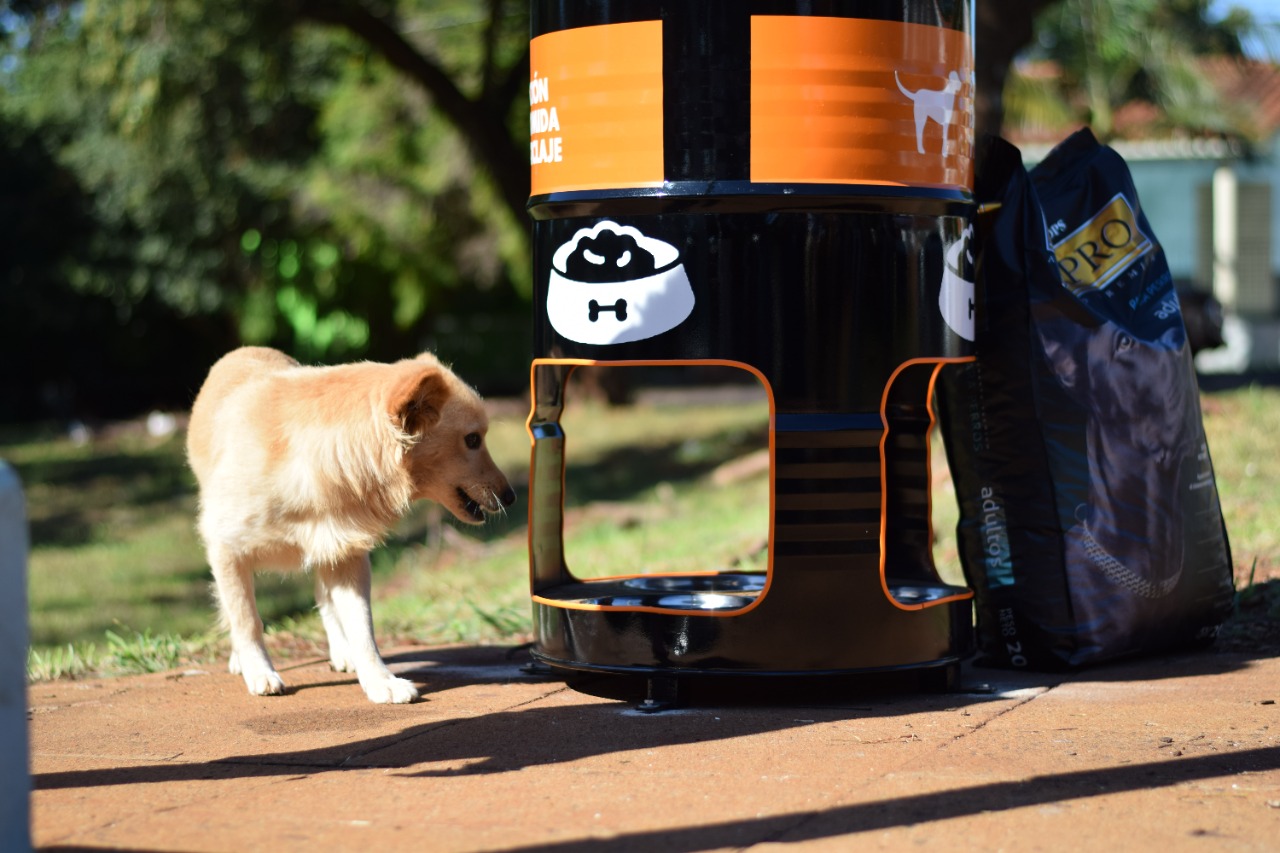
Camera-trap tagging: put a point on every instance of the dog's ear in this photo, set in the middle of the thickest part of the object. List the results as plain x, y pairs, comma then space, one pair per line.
418, 397
1064, 328
1061, 359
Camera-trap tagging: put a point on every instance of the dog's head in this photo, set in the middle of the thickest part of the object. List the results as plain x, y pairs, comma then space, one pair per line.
1134, 390
443, 425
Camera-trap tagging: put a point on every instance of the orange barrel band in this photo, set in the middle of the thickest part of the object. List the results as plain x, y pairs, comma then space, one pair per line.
698, 92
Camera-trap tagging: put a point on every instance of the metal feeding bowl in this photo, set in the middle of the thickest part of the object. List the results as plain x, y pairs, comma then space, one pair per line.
713, 592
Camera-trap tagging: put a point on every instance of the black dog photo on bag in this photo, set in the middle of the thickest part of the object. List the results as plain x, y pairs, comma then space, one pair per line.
1084, 385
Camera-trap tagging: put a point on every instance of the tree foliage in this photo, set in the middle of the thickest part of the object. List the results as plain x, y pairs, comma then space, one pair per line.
268, 173
1114, 52
1003, 30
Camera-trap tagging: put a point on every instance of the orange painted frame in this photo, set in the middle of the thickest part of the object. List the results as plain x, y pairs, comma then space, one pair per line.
713, 362
938, 364
573, 363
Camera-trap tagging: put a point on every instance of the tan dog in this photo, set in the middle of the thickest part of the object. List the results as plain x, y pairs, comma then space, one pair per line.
308, 467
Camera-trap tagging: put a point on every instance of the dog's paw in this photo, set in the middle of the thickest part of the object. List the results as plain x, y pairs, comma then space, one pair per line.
391, 691
233, 663
265, 683
340, 663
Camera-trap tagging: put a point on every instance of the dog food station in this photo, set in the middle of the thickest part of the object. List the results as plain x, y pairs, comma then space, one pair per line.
785, 188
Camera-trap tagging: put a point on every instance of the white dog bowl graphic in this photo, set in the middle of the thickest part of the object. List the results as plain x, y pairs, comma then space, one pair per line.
955, 297
611, 284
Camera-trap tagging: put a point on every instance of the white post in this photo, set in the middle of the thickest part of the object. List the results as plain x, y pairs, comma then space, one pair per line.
15, 773
1226, 237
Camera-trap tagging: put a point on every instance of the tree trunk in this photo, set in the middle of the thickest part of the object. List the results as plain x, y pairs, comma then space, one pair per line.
1002, 30
482, 120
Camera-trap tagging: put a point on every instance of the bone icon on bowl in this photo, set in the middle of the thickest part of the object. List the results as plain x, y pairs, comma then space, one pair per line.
611, 284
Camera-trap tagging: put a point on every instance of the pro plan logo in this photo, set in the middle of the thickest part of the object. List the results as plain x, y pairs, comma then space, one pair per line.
1095, 254
611, 284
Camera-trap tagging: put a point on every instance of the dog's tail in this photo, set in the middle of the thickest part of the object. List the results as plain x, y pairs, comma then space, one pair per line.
901, 88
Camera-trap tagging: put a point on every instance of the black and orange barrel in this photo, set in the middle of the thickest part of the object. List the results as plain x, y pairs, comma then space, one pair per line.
784, 186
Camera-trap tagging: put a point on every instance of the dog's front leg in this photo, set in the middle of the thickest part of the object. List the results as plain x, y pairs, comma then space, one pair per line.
346, 588
234, 581
339, 658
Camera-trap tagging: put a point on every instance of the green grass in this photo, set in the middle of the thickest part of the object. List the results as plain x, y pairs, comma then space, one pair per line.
637, 493
1244, 439
118, 583
113, 540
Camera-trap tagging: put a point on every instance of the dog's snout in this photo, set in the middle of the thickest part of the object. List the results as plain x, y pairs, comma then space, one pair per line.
508, 497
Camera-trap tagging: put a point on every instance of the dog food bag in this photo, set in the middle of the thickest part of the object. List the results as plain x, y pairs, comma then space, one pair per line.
1089, 519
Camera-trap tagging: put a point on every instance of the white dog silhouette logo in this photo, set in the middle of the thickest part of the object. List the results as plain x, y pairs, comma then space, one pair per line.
936, 104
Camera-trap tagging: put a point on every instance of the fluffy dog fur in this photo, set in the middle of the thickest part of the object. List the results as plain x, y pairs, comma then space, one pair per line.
307, 467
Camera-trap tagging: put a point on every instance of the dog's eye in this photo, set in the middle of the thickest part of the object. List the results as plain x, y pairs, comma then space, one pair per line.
1123, 343
473, 440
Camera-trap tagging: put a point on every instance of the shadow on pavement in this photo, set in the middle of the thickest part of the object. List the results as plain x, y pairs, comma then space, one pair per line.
961, 802
543, 735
